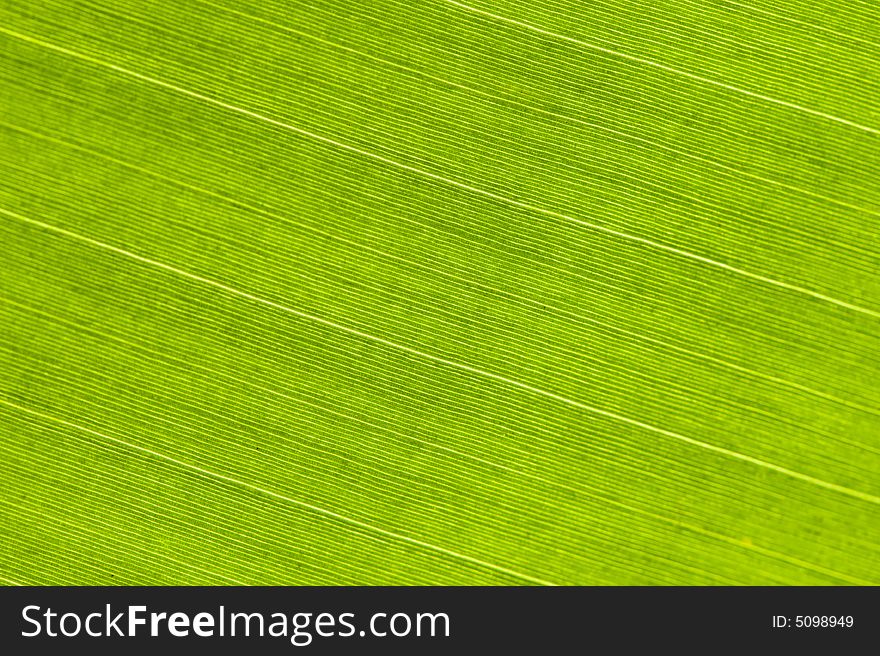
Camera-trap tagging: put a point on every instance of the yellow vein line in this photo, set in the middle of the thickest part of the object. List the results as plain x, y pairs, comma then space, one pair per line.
546, 112
453, 276
864, 496
115, 537
243, 545
11, 582
663, 67
448, 181
803, 23
279, 496
176, 362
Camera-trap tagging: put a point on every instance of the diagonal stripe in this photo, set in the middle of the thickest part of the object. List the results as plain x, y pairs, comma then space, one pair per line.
448, 181
276, 495
583, 489
544, 305
864, 496
663, 67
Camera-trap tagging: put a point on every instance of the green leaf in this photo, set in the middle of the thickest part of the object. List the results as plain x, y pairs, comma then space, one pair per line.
439, 292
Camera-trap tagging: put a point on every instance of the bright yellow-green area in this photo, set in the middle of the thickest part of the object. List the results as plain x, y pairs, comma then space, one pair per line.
439, 292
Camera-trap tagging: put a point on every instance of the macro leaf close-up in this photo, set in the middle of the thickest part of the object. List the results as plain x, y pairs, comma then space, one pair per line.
429, 292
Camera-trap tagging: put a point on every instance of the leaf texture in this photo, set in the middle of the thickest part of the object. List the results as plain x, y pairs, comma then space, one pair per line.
439, 292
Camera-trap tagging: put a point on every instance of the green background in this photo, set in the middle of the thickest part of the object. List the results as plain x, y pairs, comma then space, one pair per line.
394, 292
